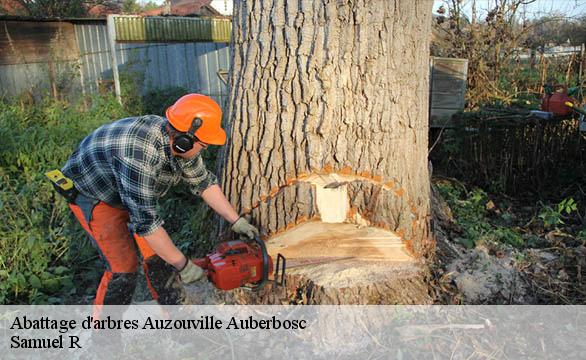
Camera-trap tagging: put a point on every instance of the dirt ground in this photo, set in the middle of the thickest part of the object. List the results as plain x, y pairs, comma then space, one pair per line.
490, 273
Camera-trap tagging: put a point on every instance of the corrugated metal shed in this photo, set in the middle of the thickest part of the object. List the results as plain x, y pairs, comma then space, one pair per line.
447, 89
191, 65
94, 56
37, 57
155, 65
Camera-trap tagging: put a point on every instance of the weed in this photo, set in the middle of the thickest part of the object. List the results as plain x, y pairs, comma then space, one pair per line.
567, 206
157, 101
36, 229
470, 213
553, 216
45, 256
468, 209
507, 236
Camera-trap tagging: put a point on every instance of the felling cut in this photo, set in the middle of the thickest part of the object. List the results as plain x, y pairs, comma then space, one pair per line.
341, 263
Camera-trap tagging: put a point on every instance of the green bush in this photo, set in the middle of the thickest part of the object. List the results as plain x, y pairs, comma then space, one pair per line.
36, 228
45, 256
469, 210
503, 235
470, 213
156, 101
553, 216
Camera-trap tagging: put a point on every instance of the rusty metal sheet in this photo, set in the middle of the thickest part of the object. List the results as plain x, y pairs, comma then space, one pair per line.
26, 42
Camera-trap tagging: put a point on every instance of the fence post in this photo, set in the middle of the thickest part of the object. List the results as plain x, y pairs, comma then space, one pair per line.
112, 44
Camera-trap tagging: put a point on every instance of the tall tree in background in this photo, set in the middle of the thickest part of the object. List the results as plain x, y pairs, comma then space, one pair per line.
51, 8
331, 94
556, 29
488, 40
131, 7
150, 5
493, 39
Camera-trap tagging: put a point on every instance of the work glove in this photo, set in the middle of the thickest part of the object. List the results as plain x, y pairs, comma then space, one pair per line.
190, 272
243, 227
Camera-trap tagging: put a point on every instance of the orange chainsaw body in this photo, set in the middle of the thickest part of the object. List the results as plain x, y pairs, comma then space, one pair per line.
555, 102
234, 264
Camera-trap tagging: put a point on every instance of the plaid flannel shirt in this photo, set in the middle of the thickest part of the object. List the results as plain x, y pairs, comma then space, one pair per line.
129, 163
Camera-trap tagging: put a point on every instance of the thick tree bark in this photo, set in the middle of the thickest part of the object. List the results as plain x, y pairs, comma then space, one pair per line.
328, 115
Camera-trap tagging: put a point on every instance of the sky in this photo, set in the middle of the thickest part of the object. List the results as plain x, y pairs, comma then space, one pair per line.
142, 2
572, 8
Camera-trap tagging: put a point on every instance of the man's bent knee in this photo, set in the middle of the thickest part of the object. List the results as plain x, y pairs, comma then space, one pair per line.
118, 288
163, 281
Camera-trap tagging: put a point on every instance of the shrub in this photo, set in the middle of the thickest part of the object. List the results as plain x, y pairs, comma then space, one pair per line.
45, 256
552, 217
36, 228
470, 213
157, 101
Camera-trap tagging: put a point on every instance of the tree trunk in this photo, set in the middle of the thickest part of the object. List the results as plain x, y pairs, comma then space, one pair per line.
328, 119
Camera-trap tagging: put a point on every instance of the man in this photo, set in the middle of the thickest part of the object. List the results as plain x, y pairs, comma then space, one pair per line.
119, 172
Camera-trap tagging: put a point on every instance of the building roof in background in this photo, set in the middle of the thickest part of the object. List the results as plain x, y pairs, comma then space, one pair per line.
11, 7
76, 20
105, 9
185, 8
178, 8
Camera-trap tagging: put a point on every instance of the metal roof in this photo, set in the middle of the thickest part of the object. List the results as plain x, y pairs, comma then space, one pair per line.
48, 19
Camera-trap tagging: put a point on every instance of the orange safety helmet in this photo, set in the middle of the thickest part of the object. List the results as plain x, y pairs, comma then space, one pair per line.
191, 106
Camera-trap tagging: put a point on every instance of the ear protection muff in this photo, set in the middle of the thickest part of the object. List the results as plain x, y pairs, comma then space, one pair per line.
185, 141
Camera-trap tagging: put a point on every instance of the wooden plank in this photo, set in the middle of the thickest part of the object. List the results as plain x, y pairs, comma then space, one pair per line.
447, 84
447, 100
441, 117
448, 88
454, 67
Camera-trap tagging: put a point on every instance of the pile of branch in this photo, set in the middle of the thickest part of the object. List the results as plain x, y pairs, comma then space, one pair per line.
515, 151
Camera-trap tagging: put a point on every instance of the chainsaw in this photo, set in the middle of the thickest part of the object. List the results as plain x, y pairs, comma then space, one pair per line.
239, 263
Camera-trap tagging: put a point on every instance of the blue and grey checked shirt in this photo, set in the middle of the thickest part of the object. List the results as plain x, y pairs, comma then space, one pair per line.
129, 163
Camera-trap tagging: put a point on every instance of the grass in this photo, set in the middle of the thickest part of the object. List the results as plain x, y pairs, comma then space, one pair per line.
44, 254
487, 217
471, 212
36, 229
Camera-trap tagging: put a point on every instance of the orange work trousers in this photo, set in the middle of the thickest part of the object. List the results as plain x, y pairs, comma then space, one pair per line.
107, 228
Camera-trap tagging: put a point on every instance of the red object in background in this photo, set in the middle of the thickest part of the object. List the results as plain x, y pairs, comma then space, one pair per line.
554, 102
233, 264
